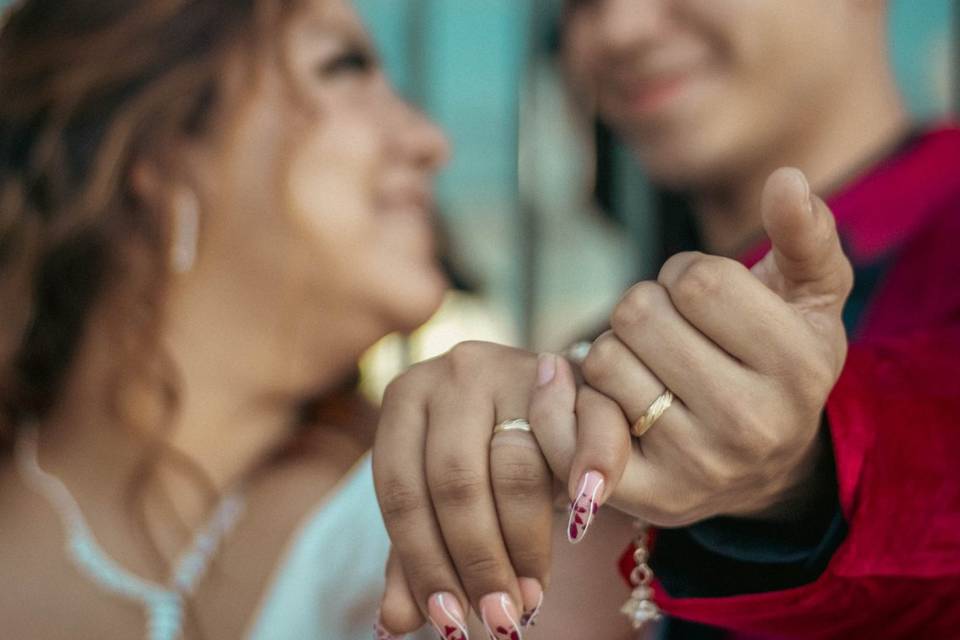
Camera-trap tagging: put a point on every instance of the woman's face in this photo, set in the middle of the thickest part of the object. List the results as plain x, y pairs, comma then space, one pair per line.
317, 188
701, 88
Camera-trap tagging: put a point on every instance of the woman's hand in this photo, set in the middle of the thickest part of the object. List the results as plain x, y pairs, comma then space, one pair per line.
469, 512
751, 358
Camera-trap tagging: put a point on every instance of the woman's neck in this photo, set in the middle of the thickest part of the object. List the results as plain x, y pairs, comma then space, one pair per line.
227, 423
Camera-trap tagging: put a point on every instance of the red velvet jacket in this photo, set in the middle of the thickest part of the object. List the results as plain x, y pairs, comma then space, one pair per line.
894, 418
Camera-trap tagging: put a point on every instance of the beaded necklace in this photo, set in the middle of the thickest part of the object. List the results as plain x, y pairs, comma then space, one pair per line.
163, 604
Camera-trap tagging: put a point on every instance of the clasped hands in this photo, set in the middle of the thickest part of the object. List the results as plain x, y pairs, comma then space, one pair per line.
751, 356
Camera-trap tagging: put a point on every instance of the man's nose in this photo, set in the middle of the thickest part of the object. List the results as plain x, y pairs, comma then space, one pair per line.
623, 26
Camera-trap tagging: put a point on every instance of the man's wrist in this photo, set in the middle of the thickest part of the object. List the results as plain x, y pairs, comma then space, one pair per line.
804, 489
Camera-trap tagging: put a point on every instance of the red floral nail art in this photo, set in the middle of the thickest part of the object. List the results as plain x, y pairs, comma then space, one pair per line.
502, 633
447, 617
452, 633
585, 507
529, 617
500, 617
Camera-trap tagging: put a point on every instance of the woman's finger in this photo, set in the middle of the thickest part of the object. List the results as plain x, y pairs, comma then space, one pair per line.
647, 488
552, 413
651, 487
399, 613
458, 475
603, 447
523, 488
399, 476
669, 453
592, 457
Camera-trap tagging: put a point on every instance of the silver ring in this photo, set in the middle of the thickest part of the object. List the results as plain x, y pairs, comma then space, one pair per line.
517, 424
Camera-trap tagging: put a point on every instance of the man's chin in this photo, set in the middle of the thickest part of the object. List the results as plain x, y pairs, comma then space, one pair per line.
678, 163
671, 171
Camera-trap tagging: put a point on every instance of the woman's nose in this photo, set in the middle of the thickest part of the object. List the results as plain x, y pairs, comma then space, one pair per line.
422, 140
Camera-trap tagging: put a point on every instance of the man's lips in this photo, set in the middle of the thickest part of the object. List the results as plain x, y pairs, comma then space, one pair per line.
649, 95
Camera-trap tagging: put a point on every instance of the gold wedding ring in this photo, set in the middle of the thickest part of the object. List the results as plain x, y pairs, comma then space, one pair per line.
517, 424
654, 413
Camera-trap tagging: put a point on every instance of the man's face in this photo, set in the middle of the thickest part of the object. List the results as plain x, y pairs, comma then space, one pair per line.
704, 89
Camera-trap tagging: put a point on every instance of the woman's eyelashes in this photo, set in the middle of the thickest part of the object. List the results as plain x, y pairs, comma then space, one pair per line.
581, 4
353, 60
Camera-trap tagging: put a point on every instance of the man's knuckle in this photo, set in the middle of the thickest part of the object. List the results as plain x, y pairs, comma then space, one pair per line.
467, 356
703, 279
600, 361
637, 306
754, 433
401, 387
725, 473
768, 439
675, 265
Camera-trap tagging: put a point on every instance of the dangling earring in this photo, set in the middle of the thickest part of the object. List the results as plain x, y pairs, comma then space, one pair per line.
186, 231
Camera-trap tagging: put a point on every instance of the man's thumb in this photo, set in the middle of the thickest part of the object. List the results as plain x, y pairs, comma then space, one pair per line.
807, 259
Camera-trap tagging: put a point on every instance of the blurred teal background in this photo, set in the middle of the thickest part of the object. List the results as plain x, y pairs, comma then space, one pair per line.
472, 53
546, 265
465, 62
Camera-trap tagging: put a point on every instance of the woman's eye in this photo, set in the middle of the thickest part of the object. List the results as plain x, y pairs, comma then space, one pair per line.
354, 61
574, 5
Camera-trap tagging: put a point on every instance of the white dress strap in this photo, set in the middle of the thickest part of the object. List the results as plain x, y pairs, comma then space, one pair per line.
330, 582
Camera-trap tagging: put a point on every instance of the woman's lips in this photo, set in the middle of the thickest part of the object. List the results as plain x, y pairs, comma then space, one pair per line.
416, 203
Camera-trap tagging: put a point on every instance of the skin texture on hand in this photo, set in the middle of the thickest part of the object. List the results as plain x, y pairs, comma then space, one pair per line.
751, 357
469, 511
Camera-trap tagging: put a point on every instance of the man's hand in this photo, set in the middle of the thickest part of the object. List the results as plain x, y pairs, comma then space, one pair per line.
751, 356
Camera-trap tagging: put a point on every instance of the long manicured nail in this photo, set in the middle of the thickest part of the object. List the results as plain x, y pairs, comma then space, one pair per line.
379, 633
585, 506
546, 368
500, 617
532, 593
446, 616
